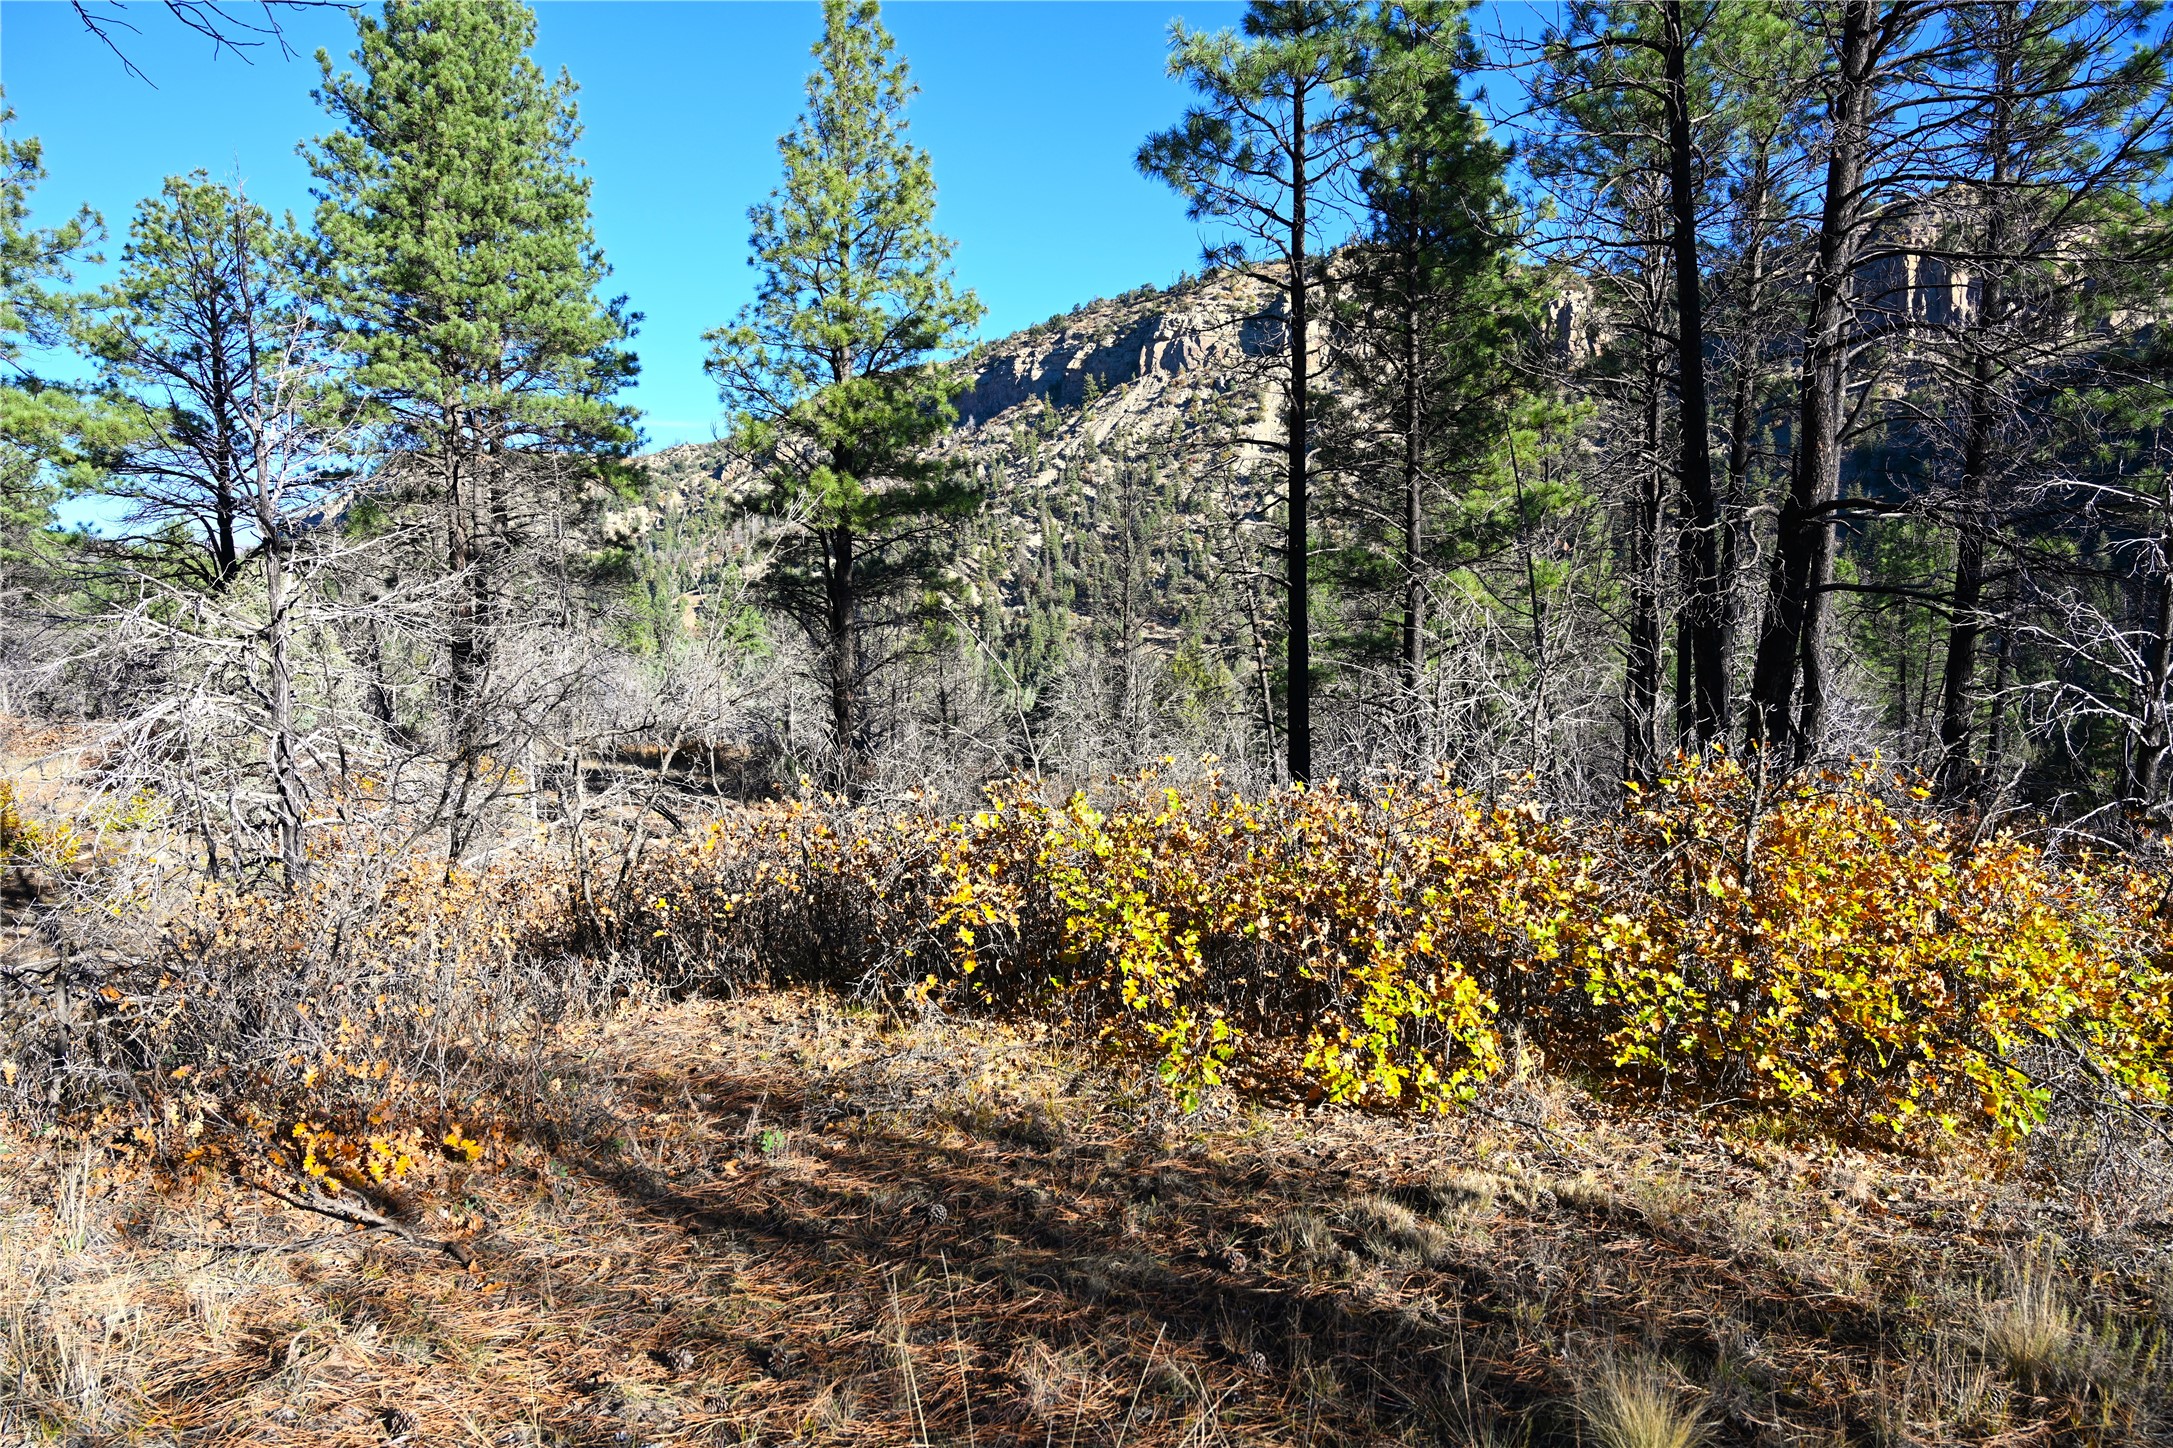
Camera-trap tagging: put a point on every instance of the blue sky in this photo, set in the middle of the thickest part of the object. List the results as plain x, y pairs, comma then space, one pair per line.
1031, 112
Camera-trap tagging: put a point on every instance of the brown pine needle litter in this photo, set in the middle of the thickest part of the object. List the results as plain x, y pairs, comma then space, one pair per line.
779, 1219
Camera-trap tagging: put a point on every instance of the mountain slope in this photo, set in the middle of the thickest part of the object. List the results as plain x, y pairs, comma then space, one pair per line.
1111, 446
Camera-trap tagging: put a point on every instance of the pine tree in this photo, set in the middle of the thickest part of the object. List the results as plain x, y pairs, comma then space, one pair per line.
2063, 120
1276, 128
1867, 142
832, 371
208, 287
35, 418
1428, 307
454, 227
1654, 104
1607, 157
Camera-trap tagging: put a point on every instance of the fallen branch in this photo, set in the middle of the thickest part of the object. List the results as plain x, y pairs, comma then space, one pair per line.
364, 1217
239, 1249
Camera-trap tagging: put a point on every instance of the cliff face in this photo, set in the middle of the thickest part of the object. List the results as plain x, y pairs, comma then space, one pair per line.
1109, 443
1170, 381
1158, 342
1138, 366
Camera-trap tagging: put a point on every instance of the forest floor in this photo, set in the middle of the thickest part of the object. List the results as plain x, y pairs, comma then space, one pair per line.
778, 1219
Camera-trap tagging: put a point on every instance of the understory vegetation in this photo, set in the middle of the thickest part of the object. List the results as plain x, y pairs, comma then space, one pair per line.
1827, 954
1529, 811
788, 1217
1542, 1042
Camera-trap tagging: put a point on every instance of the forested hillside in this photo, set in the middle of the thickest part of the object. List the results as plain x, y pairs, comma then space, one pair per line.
1107, 576
1529, 810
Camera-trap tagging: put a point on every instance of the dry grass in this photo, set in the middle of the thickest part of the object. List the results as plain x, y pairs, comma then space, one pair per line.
1394, 1235
2032, 1333
779, 1220
1636, 1405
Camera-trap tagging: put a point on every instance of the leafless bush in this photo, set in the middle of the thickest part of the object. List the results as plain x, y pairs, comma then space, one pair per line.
207, 1013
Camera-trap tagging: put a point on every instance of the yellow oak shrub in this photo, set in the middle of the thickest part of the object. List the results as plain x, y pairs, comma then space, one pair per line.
802, 891
1829, 947
1828, 950
1313, 941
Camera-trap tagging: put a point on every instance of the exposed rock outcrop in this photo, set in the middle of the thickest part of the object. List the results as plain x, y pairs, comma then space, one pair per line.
1136, 373
1112, 345
1161, 397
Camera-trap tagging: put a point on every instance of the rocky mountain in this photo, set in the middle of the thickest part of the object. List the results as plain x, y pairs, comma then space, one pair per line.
1128, 454
1134, 373
1118, 447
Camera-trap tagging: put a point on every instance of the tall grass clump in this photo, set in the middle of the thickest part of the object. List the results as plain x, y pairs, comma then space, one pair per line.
1633, 1405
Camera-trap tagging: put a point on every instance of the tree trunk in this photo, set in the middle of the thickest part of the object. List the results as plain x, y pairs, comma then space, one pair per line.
1298, 723
1789, 642
1414, 598
1641, 678
1957, 701
227, 552
478, 541
227, 471
1743, 405
291, 810
1704, 623
844, 644
2156, 741
461, 645
266, 492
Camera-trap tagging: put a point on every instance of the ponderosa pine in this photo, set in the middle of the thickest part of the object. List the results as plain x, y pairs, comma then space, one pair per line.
35, 263
1427, 308
180, 337
1276, 127
453, 223
832, 372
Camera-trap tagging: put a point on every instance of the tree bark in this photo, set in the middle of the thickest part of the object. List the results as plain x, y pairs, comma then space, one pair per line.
1957, 699
1704, 621
1743, 404
292, 809
1414, 598
1641, 677
461, 643
2147, 778
1298, 721
843, 625
225, 395
1789, 644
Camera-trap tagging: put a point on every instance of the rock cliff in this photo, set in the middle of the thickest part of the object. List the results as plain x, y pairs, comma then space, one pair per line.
1138, 367
1119, 438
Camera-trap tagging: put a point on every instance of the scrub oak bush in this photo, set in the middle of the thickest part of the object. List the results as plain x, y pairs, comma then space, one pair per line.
1828, 950
798, 892
1337, 945
26, 841
1832, 949
369, 1028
